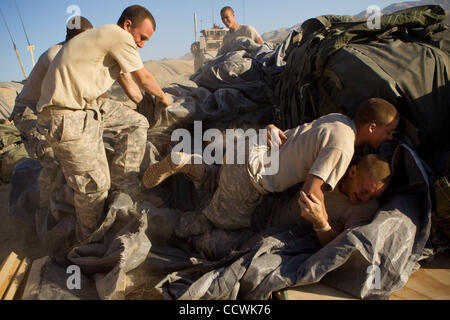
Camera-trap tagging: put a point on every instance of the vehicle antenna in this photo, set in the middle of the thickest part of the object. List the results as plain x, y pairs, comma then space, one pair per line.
14, 44
30, 47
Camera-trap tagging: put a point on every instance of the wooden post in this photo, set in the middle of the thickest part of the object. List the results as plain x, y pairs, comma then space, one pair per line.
17, 280
7, 272
20, 61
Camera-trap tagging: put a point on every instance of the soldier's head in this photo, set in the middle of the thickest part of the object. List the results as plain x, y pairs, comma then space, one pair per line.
367, 179
228, 18
375, 120
77, 25
139, 22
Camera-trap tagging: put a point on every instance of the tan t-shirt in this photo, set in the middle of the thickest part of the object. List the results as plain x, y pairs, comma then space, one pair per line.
241, 31
87, 66
31, 91
323, 147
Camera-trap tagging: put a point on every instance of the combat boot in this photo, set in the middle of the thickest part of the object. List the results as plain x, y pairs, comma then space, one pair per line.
176, 162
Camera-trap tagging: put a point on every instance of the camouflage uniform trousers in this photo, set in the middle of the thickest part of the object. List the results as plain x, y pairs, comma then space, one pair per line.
25, 120
234, 200
76, 137
129, 128
225, 222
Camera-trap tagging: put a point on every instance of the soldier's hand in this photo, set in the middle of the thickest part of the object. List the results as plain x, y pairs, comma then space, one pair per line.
275, 135
312, 210
164, 100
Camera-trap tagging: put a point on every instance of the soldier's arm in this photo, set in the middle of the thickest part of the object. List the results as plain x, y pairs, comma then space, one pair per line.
313, 185
148, 83
275, 135
130, 87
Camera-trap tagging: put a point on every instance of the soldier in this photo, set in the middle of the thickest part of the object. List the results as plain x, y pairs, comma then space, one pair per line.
70, 111
24, 113
236, 29
31, 92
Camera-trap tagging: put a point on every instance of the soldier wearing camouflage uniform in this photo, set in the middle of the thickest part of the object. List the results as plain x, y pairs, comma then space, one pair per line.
24, 113
73, 118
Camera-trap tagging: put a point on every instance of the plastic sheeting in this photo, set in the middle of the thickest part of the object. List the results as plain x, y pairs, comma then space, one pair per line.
118, 246
245, 66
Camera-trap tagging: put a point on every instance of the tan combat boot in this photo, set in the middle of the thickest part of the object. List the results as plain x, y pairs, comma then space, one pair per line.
176, 162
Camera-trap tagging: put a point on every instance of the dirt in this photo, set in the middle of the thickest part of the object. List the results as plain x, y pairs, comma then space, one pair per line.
170, 71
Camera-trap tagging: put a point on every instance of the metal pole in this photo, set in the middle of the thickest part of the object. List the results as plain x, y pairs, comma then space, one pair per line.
30, 47
212, 10
195, 26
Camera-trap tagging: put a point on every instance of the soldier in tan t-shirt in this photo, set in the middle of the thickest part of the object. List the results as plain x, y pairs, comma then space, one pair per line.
31, 92
69, 106
24, 114
317, 154
236, 29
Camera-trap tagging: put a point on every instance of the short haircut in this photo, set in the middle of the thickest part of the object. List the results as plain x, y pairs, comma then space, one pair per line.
71, 32
226, 9
375, 110
376, 166
136, 14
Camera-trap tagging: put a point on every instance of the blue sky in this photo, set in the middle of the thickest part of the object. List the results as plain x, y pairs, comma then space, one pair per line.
45, 21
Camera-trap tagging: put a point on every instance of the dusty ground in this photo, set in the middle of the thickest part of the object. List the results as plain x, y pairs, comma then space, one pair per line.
169, 71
